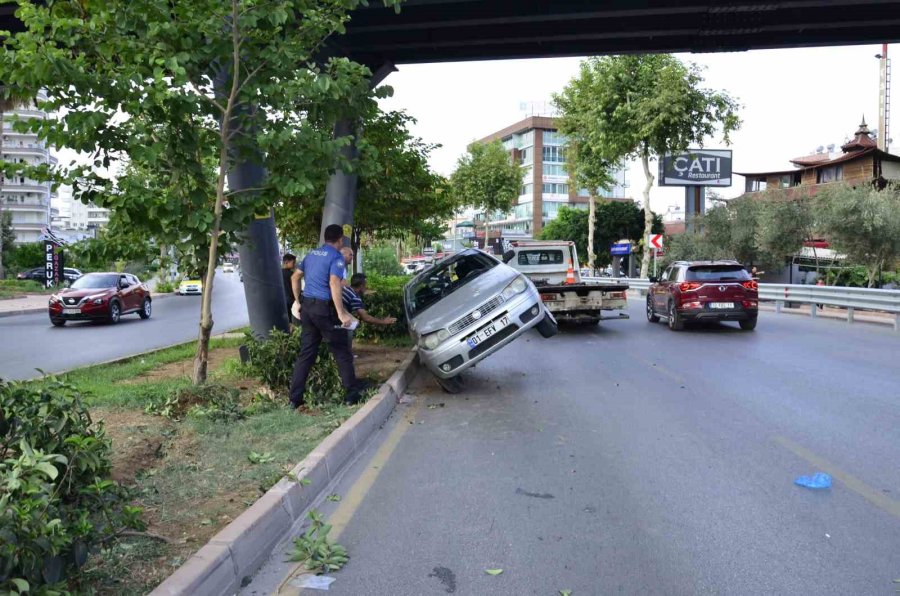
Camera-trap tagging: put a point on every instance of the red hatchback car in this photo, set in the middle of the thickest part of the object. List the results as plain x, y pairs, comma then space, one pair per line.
704, 291
101, 297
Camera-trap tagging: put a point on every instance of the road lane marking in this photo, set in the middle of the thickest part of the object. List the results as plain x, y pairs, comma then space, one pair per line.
870, 494
350, 502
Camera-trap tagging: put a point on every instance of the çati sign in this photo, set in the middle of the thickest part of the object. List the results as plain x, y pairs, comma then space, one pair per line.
697, 167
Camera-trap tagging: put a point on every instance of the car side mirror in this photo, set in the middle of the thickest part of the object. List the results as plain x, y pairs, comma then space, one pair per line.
508, 256
653, 279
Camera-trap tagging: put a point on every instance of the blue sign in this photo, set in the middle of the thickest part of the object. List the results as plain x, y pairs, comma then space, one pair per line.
620, 249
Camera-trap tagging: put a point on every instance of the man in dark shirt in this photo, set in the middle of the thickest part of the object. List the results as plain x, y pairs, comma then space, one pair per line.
353, 303
288, 264
323, 316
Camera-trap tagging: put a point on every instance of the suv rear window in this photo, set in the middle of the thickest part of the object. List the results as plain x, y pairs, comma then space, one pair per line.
540, 257
716, 273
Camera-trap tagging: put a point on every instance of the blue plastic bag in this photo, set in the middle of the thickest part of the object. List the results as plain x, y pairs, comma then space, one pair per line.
817, 480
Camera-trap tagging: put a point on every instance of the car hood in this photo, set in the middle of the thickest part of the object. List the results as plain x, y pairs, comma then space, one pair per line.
464, 300
190, 282
82, 293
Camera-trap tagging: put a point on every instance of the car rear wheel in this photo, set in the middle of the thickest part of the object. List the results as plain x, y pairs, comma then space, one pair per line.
453, 385
676, 323
115, 312
651, 314
749, 324
58, 322
548, 326
146, 309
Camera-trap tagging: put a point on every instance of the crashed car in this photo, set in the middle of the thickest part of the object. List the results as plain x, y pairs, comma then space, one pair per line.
465, 308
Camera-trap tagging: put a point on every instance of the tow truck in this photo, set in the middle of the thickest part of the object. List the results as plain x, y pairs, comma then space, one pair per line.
553, 268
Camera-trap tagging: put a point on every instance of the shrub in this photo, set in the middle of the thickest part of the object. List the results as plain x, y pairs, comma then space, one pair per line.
56, 498
211, 401
384, 299
272, 362
165, 287
381, 260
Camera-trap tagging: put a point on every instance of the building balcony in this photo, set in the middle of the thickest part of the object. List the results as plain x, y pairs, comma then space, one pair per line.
12, 151
30, 186
30, 206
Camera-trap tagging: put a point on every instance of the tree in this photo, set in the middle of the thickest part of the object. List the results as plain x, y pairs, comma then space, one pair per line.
863, 223
615, 220
171, 87
645, 106
784, 225
486, 178
7, 240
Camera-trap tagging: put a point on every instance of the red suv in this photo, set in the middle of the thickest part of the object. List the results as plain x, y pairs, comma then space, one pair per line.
704, 291
101, 296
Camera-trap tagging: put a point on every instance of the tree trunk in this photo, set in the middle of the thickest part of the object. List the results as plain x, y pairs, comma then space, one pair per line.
201, 359
648, 214
592, 215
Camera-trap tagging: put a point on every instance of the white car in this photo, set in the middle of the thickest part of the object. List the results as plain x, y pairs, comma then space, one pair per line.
228, 268
190, 287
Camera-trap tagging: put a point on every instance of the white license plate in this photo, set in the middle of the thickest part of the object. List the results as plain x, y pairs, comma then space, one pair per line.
721, 304
488, 331
71, 311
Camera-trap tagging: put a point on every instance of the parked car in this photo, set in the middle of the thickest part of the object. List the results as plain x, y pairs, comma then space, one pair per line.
101, 297
36, 274
704, 291
465, 308
190, 286
228, 268
71, 274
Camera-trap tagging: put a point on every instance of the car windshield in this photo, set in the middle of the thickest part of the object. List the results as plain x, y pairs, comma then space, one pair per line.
540, 257
446, 278
96, 280
717, 273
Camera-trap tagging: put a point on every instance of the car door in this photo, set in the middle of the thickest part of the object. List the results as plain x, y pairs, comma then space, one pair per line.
661, 291
126, 293
140, 292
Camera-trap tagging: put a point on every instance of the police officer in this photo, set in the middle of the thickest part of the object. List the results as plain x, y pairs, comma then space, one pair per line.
323, 316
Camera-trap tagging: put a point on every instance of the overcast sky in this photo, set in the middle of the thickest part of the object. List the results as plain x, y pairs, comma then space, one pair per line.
793, 101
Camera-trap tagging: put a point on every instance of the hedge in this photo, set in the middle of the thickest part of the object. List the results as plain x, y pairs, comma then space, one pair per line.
384, 299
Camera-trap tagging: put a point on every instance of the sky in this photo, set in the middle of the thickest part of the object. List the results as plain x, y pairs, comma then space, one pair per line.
793, 101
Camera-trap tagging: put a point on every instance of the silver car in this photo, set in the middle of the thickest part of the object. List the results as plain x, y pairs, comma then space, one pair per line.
467, 307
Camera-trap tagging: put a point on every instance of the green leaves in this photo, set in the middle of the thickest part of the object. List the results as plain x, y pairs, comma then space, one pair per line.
487, 178
494, 572
260, 458
315, 550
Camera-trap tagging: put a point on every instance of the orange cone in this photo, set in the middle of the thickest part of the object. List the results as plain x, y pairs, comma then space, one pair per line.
570, 274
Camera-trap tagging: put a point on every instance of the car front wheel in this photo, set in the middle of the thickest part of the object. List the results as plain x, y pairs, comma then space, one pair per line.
115, 312
651, 314
548, 326
146, 309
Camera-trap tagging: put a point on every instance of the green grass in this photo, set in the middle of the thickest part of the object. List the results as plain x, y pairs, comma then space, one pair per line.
10, 288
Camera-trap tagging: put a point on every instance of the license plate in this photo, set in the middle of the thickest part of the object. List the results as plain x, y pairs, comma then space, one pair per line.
721, 304
71, 311
488, 331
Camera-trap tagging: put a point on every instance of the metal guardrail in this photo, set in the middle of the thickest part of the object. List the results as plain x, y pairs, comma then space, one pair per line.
852, 299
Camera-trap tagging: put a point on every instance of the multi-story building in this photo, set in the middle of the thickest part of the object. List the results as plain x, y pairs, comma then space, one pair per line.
76, 220
28, 201
537, 144
860, 161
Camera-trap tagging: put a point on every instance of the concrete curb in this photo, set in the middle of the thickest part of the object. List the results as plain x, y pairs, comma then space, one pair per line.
240, 548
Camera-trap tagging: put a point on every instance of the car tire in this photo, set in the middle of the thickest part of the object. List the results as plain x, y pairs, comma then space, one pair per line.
651, 314
748, 325
58, 322
453, 385
548, 326
676, 323
146, 309
115, 313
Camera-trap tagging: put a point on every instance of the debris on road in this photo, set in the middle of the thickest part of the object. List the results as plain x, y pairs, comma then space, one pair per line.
493, 571
446, 577
315, 582
525, 493
817, 480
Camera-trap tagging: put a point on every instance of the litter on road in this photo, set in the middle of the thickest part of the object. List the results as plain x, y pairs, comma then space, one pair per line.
316, 582
817, 480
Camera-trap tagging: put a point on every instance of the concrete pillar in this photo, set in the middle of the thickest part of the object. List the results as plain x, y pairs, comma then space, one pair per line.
850, 313
537, 192
694, 204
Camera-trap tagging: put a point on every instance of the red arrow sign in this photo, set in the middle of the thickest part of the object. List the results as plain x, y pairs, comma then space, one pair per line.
656, 240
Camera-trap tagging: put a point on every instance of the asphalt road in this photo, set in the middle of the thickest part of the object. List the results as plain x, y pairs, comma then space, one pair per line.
628, 459
29, 342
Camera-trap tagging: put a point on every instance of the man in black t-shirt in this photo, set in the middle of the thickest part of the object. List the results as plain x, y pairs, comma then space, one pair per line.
288, 264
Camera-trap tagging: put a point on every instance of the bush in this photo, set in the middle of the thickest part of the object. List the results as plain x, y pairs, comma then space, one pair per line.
384, 299
165, 287
56, 498
272, 362
381, 260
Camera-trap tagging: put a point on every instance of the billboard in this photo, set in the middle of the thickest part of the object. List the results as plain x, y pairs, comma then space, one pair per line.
696, 167
53, 264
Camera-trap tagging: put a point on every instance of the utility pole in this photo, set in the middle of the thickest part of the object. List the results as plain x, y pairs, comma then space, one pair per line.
884, 99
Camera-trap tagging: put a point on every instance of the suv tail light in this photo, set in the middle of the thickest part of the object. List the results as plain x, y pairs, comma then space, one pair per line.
751, 285
687, 286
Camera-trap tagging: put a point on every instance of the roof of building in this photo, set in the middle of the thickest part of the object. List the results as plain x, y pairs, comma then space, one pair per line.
861, 139
542, 122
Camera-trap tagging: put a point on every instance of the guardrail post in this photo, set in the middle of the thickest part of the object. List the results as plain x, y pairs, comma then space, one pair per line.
778, 305
897, 322
812, 310
850, 314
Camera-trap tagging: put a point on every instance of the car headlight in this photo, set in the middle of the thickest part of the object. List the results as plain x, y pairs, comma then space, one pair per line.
517, 286
54, 299
433, 340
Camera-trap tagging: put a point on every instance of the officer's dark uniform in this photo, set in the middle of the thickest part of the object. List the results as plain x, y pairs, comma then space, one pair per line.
319, 319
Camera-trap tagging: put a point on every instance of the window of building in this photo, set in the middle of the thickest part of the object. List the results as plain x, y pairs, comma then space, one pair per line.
555, 154
789, 180
553, 169
755, 184
556, 188
524, 210
829, 174
553, 137
527, 189
525, 156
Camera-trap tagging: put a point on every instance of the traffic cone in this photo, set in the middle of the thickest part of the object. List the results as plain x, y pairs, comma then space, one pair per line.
570, 274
